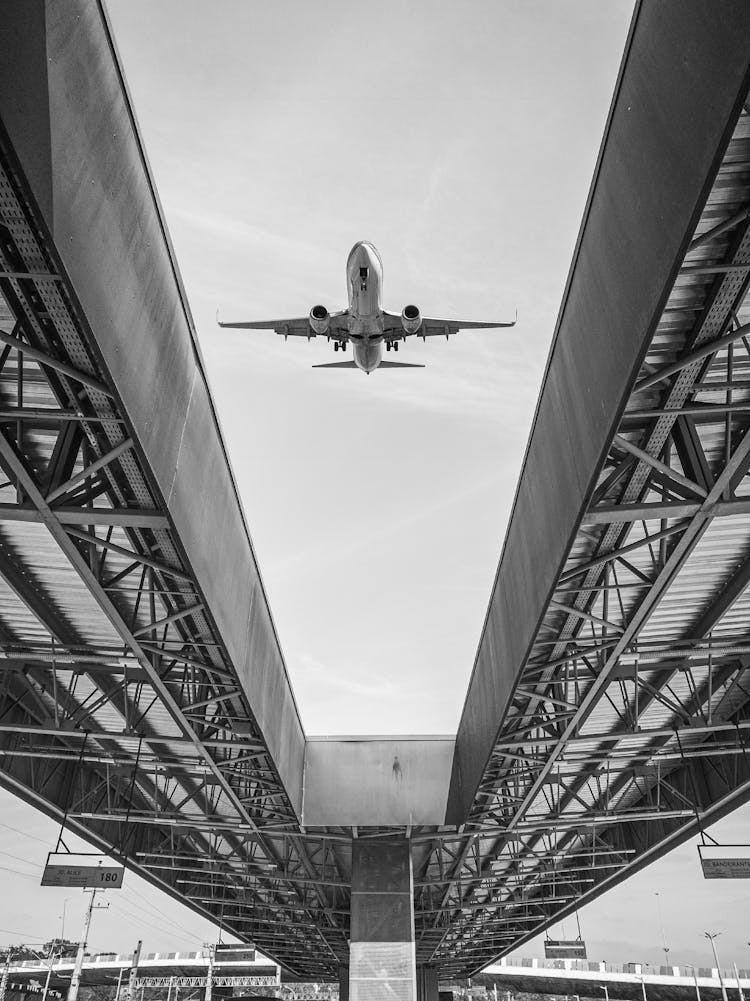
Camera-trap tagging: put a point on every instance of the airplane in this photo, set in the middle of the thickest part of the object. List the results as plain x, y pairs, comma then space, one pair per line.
365, 323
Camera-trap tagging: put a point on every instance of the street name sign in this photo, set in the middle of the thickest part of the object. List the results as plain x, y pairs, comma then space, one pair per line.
69, 869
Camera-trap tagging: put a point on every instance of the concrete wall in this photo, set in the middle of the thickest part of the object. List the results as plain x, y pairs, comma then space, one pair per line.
361, 781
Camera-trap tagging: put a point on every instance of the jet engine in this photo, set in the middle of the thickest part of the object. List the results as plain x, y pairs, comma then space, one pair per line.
320, 318
411, 319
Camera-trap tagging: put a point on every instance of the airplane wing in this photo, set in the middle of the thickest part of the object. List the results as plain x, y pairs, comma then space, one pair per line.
382, 364
298, 326
433, 327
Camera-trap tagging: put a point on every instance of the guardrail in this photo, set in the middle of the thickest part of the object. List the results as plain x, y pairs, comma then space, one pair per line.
640, 969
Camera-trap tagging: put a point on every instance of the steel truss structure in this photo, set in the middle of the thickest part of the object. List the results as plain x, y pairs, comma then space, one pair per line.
122, 712
629, 725
118, 703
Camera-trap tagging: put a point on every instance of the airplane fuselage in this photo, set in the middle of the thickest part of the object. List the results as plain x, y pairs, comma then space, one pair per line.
364, 278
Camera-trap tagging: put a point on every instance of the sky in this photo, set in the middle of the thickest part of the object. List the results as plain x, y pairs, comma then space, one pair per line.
461, 139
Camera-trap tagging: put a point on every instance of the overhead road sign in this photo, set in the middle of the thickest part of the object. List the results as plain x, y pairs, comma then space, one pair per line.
562, 949
725, 861
225, 952
70, 869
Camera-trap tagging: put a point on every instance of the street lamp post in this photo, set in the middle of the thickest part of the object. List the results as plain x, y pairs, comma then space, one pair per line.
50, 959
695, 980
119, 983
740, 992
6, 973
665, 947
62, 925
711, 938
603, 987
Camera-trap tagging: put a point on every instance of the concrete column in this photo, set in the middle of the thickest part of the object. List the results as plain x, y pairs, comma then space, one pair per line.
427, 983
382, 965
343, 983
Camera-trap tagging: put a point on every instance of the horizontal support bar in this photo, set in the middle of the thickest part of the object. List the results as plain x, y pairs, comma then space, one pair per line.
123, 517
123, 735
52, 414
691, 409
606, 514
38, 276
712, 269
644, 736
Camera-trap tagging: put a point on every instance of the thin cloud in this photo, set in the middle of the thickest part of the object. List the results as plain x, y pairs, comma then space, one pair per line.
342, 682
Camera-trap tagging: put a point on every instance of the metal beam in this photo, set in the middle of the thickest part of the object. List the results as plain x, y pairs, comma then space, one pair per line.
54, 363
115, 517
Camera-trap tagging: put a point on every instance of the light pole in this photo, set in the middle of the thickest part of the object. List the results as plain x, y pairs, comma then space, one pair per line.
603, 987
75, 980
740, 992
119, 983
665, 947
643, 987
62, 925
50, 957
711, 936
695, 979
6, 973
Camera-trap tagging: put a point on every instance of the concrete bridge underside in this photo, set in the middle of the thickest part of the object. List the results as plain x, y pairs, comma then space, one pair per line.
143, 693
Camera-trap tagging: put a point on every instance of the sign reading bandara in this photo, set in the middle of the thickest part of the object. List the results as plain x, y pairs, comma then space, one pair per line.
725, 861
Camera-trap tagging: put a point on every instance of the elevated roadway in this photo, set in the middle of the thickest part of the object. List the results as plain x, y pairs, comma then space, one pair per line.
631, 982
157, 969
143, 694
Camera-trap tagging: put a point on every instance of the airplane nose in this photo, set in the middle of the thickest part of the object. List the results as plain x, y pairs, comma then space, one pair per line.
364, 256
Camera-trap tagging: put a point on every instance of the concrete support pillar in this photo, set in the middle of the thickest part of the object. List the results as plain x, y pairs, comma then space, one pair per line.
427, 983
382, 965
343, 983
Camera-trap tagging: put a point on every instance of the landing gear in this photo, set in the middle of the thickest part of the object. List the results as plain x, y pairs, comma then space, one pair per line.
335, 345
395, 345
387, 345
343, 345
